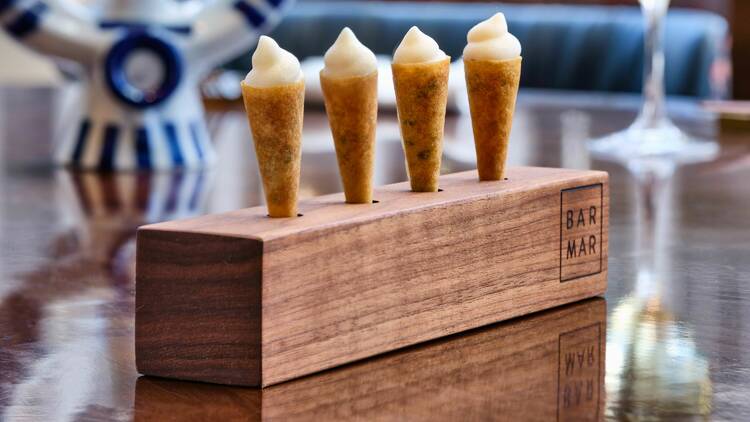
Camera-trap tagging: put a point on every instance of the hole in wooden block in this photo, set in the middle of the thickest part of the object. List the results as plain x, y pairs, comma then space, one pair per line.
300, 215
440, 190
505, 178
375, 201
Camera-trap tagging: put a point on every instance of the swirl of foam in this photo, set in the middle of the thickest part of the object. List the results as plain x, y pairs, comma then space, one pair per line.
348, 57
490, 40
416, 47
273, 66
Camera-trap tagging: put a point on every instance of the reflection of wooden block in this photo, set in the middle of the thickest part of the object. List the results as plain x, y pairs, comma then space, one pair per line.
543, 367
240, 298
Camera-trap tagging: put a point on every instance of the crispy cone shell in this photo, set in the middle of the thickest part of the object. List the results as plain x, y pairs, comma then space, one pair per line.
275, 116
352, 108
421, 98
492, 86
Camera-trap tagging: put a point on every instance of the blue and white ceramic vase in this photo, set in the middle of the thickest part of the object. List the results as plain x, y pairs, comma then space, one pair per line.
143, 61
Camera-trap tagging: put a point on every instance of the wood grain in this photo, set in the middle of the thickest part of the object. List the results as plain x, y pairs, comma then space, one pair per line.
192, 326
346, 282
516, 370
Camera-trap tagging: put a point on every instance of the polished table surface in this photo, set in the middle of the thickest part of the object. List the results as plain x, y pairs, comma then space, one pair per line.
669, 341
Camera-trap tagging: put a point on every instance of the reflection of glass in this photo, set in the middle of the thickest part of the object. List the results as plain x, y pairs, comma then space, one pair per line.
654, 367
653, 134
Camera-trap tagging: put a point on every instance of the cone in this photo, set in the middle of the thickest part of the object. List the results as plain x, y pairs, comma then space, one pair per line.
352, 108
275, 115
421, 98
492, 87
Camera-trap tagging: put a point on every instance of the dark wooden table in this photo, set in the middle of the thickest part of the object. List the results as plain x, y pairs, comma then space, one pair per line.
677, 320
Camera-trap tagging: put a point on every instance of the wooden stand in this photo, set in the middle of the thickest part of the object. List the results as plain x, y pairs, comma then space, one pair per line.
240, 298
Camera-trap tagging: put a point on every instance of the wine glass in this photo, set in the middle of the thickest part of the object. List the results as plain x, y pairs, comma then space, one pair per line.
652, 134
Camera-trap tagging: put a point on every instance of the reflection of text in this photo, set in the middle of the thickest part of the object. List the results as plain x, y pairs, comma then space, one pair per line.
579, 381
576, 360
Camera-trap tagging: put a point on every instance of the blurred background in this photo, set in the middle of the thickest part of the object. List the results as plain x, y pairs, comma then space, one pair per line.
581, 48
678, 300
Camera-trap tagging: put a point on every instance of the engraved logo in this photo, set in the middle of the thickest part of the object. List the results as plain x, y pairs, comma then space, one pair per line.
579, 381
581, 232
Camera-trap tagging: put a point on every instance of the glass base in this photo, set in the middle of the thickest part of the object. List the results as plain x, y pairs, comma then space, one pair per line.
659, 141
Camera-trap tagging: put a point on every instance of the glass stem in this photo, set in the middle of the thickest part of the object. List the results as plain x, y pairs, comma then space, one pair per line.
649, 187
650, 183
653, 112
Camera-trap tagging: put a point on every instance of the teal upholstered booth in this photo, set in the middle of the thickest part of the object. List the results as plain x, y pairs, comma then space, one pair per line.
590, 48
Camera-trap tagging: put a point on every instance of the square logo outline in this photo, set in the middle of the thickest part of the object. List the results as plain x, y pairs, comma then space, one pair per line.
601, 228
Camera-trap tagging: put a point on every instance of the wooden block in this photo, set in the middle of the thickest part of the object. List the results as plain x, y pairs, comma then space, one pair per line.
240, 298
543, 367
